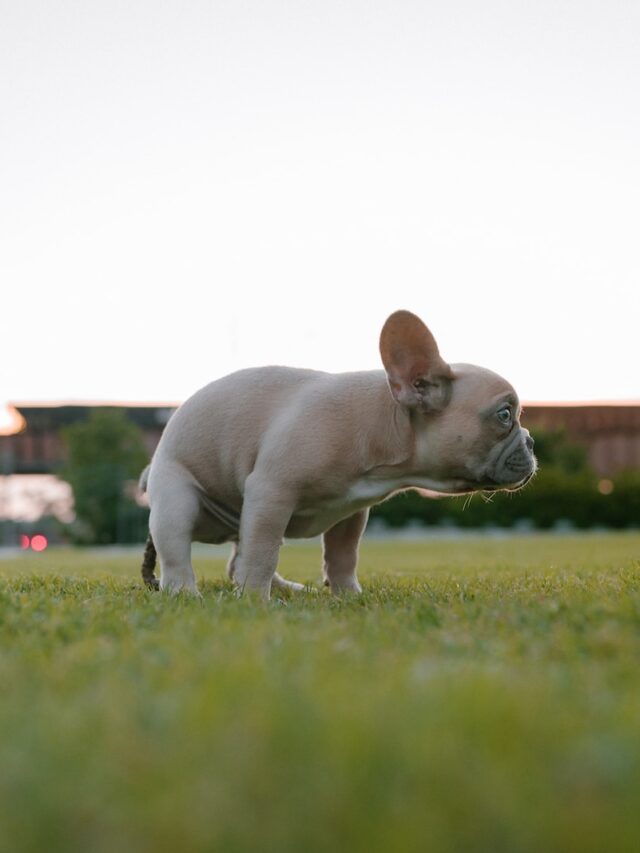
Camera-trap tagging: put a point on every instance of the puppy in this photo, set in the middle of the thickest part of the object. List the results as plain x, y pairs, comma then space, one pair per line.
274, 452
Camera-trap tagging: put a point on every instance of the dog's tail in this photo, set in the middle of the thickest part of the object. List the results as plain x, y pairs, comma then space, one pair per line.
149, 564
150, 554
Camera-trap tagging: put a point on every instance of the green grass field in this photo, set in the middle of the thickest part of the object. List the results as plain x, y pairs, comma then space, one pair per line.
482, 695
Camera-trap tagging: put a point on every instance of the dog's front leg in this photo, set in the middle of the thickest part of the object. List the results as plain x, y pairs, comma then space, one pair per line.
266, 510
341, 553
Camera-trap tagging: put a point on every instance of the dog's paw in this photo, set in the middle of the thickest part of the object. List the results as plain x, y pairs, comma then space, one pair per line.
345, 589
174, 589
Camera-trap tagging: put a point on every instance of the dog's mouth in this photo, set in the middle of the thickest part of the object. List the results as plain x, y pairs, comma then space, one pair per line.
468, 485
494, 486
524, 482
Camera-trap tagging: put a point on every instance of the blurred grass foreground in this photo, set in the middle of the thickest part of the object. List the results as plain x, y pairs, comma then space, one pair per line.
483, 694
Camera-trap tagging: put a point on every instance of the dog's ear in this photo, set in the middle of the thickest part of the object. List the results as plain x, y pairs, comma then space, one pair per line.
418, 376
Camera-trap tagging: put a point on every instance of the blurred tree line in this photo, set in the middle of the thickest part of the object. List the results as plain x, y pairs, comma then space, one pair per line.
105, 457
106, 454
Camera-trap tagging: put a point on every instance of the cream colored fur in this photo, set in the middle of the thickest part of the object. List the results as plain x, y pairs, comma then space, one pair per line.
297, 453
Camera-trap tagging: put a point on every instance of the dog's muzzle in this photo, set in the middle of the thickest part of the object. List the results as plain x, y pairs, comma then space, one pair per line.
515, 464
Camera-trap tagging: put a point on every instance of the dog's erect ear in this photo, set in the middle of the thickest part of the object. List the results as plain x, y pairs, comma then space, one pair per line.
418, 376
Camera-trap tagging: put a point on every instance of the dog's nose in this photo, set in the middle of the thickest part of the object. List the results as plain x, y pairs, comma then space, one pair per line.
529, 442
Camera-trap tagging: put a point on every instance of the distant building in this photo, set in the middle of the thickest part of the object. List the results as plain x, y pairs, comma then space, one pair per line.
39, 449
609, 431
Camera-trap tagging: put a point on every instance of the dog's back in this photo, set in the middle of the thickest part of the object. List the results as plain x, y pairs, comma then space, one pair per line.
216, 434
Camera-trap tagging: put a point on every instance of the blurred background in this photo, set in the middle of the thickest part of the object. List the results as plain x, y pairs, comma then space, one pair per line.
70, 475
189, 189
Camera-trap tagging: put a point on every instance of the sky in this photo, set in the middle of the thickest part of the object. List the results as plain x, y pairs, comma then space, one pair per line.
190, 188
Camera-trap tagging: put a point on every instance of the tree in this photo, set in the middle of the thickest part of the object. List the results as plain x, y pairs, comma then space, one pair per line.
103, 453
554, 448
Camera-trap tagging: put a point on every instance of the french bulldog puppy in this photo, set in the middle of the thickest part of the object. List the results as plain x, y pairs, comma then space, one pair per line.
274, 452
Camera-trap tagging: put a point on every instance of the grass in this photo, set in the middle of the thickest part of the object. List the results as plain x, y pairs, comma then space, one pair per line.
482, 695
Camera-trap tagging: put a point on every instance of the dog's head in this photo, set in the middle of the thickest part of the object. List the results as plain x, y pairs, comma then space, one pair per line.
466, 418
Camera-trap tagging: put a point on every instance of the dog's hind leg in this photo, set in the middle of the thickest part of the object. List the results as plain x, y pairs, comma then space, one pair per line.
277, 582
231, 565
173, 516
341, 553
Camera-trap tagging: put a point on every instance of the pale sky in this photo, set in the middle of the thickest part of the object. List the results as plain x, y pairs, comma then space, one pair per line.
188, 188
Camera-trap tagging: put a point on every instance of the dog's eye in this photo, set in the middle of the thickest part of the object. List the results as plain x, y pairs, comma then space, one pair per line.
504, 415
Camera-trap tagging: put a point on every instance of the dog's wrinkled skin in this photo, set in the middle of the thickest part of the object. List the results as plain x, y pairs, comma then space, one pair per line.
277, 452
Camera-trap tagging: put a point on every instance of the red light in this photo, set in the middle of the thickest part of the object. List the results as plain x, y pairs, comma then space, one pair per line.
39, 542
24, 541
